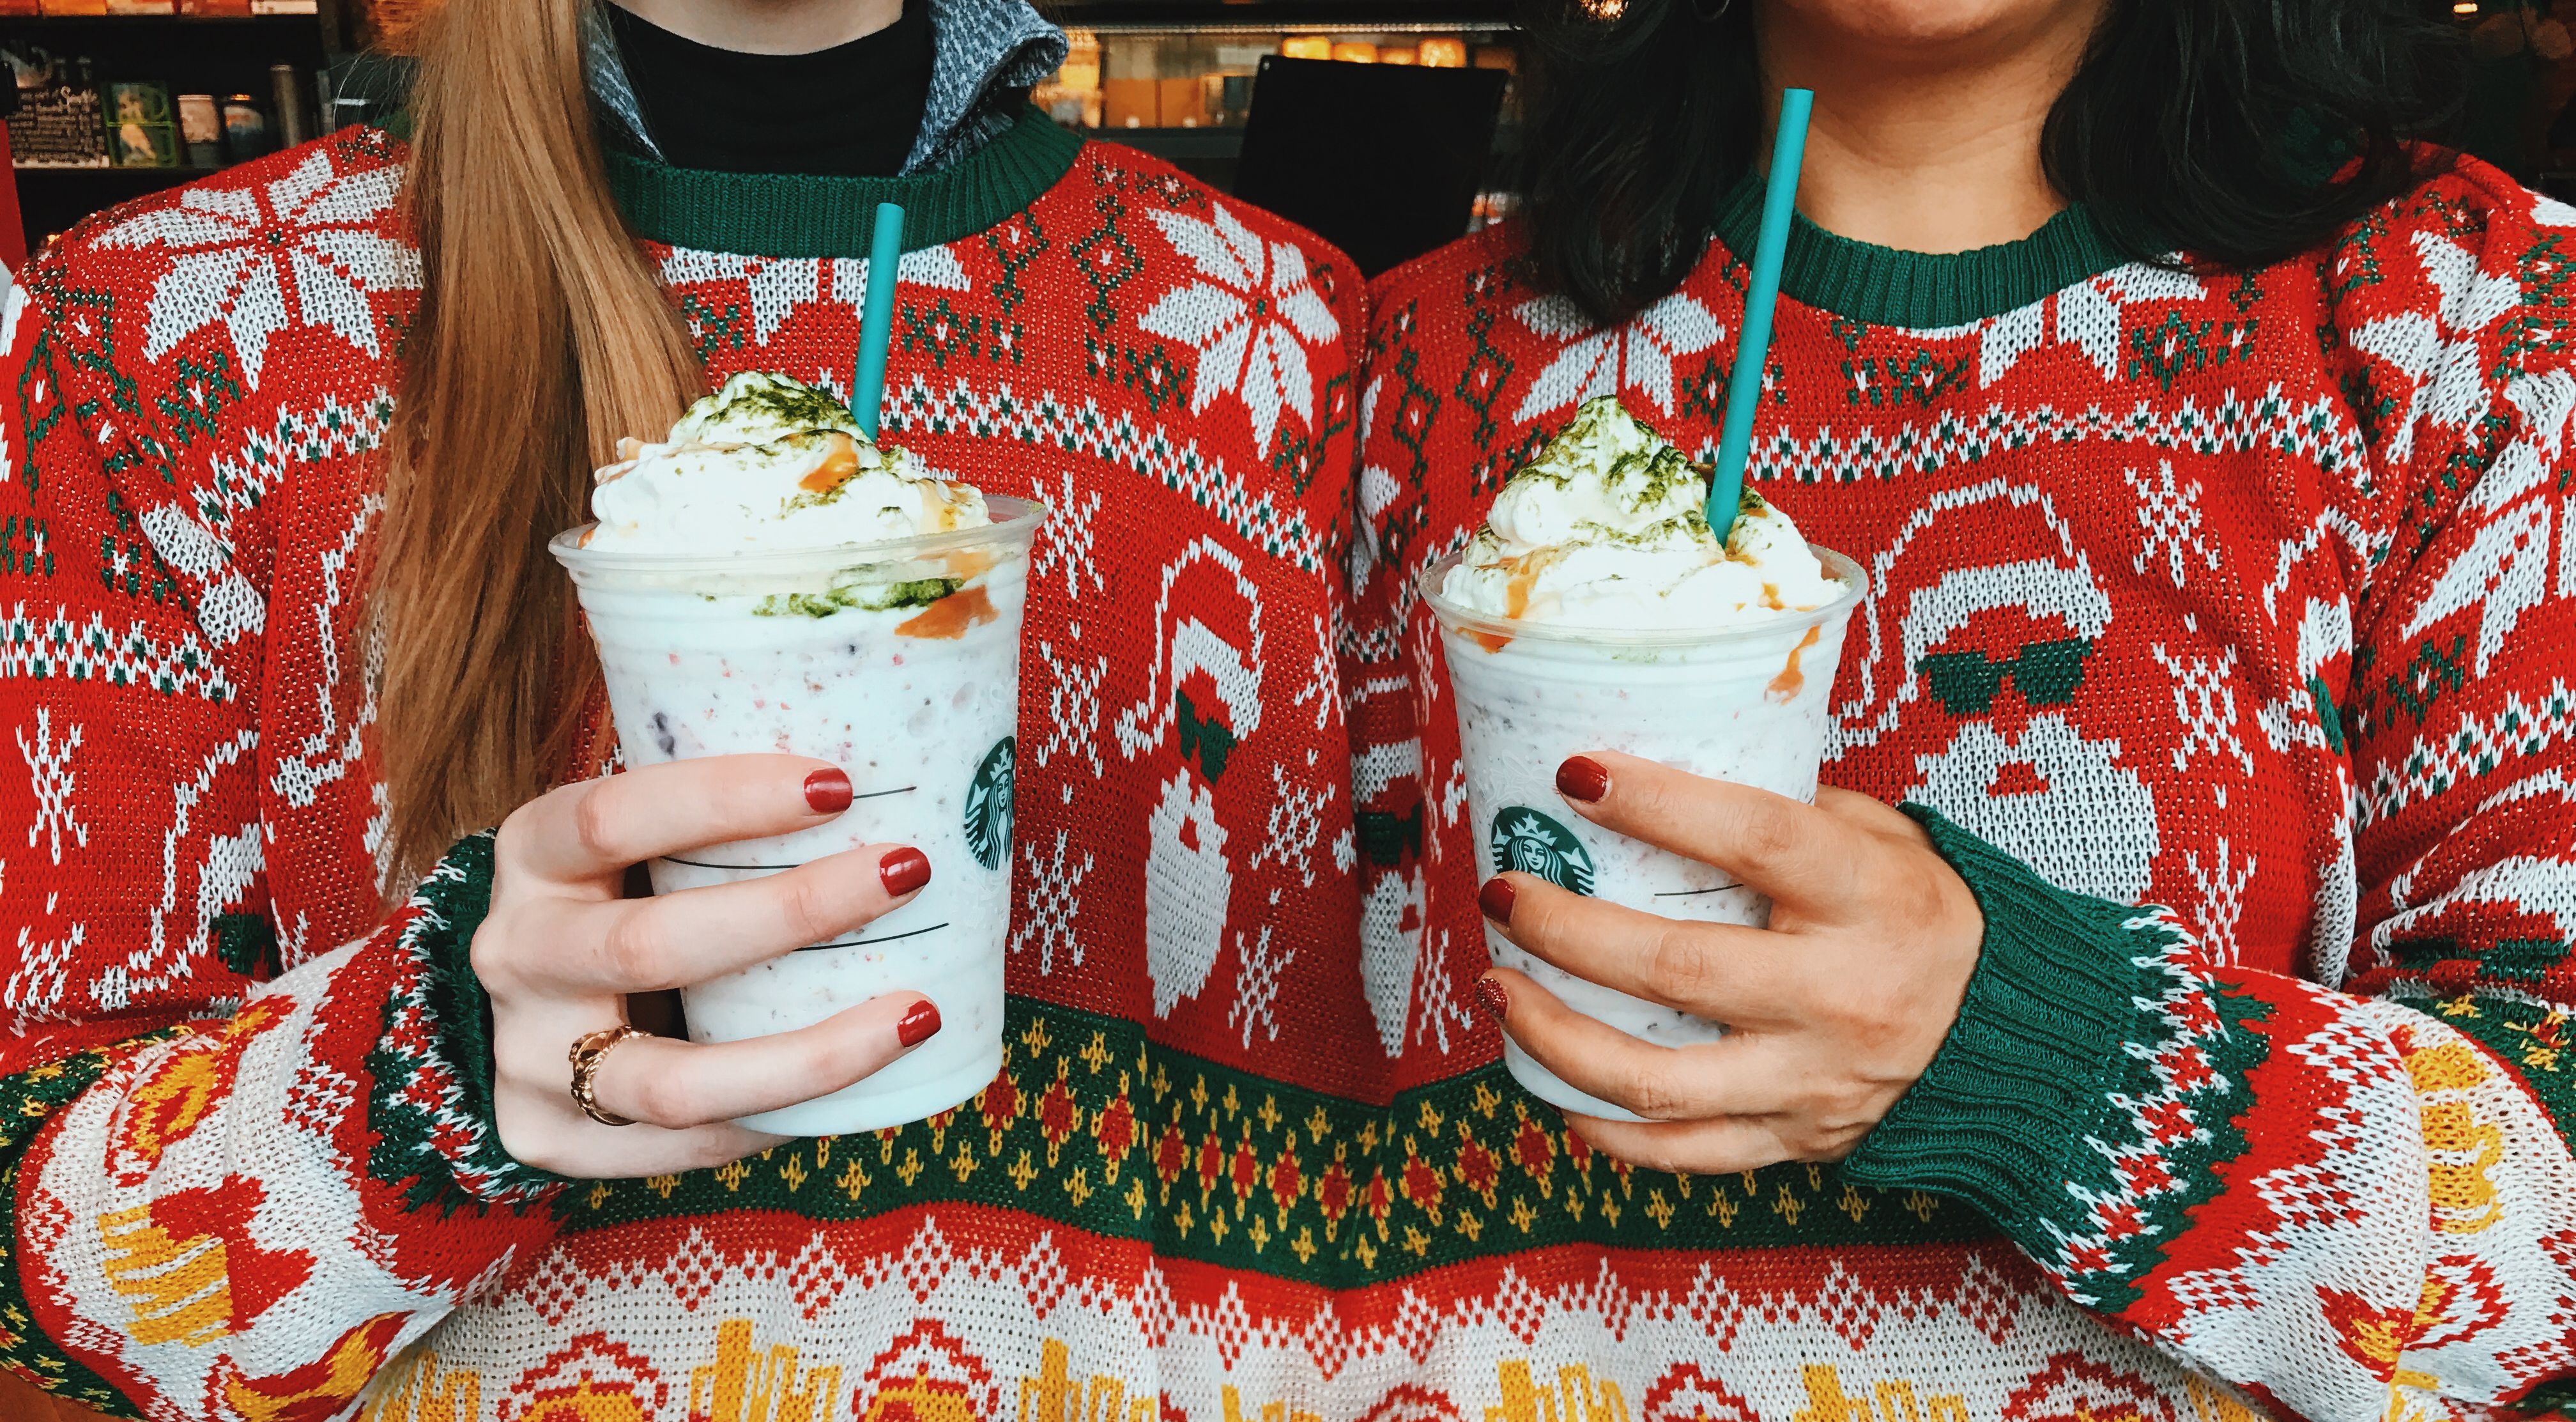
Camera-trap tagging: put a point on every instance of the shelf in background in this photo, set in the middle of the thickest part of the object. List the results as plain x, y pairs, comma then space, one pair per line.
1197, 16
1212, 154
66, 22
170, 48
47, 170
159, 39
1210, 140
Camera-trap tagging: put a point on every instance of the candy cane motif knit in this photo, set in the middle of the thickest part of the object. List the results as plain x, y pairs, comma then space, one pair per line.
2250, 594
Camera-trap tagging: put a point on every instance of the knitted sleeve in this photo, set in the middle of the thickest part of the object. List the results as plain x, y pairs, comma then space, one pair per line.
2356, 1199
219, 1196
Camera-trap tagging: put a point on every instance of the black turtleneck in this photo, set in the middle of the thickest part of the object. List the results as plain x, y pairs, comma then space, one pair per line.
852, 110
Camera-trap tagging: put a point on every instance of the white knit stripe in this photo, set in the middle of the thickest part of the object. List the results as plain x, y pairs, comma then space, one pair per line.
1015, 1328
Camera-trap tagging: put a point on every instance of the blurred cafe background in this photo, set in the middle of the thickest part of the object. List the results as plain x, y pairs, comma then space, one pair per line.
1265, 98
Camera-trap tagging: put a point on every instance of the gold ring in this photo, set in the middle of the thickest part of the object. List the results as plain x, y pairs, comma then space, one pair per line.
588, 1051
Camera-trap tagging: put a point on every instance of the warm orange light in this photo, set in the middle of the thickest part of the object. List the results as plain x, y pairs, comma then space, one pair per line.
2465, 7
394, 26
1355, 52
1395, 54
1605, 9
1444, 53
1307, 47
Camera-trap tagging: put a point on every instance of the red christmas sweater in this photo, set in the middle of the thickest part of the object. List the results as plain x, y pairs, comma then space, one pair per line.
2222, 627
1249, 1156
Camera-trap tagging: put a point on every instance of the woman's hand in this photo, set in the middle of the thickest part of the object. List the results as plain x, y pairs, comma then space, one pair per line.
1835, 1010
562, 947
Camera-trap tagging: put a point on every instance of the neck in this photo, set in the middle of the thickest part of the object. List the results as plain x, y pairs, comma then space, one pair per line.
1927, 143
768, 26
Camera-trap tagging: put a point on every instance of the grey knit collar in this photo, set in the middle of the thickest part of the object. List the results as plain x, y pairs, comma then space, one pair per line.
985, 48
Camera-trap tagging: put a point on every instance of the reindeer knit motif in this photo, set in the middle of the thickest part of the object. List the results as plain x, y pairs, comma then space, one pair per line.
2239, 595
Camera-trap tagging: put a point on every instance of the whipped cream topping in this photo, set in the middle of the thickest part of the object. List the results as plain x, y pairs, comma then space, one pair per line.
1607, 528
769, 463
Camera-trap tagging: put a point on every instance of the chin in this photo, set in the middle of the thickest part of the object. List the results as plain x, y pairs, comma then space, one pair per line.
1927, 23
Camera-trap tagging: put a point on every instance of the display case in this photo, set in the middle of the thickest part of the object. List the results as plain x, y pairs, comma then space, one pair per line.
1175, 77
117, 101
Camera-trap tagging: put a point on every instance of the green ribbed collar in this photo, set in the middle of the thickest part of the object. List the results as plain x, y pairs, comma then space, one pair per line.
799, 215
1919, 290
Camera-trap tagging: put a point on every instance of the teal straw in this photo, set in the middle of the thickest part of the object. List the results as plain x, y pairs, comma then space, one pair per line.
1753, 346
876, 319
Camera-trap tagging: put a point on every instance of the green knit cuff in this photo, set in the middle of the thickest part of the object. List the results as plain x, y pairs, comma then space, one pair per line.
2000, 1117
429, 1104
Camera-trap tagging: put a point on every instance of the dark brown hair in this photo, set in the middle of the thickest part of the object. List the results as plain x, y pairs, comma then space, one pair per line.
2238, 131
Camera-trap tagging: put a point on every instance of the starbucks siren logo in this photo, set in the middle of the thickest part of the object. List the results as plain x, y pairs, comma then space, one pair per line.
988, 805
1534, 844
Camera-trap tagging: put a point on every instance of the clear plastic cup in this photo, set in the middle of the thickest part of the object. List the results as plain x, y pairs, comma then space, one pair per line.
1745, 704
898, 662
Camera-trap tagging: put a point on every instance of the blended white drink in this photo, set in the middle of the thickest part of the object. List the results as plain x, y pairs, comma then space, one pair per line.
1596, 610
766, 579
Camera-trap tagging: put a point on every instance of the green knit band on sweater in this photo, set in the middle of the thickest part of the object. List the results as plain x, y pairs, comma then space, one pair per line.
804, 215
2092, 1094
1918, 290
431, 1108
1999, 1118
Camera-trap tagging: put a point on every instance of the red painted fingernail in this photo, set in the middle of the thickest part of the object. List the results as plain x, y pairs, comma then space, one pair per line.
903, 871
1491, 997
828, 791
1496, 899
919, 1025
1582, 779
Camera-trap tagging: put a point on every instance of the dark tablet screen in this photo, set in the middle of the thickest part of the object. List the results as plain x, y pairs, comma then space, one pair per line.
1381, 160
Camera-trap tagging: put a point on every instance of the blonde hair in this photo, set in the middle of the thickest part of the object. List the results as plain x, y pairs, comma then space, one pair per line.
541, 338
